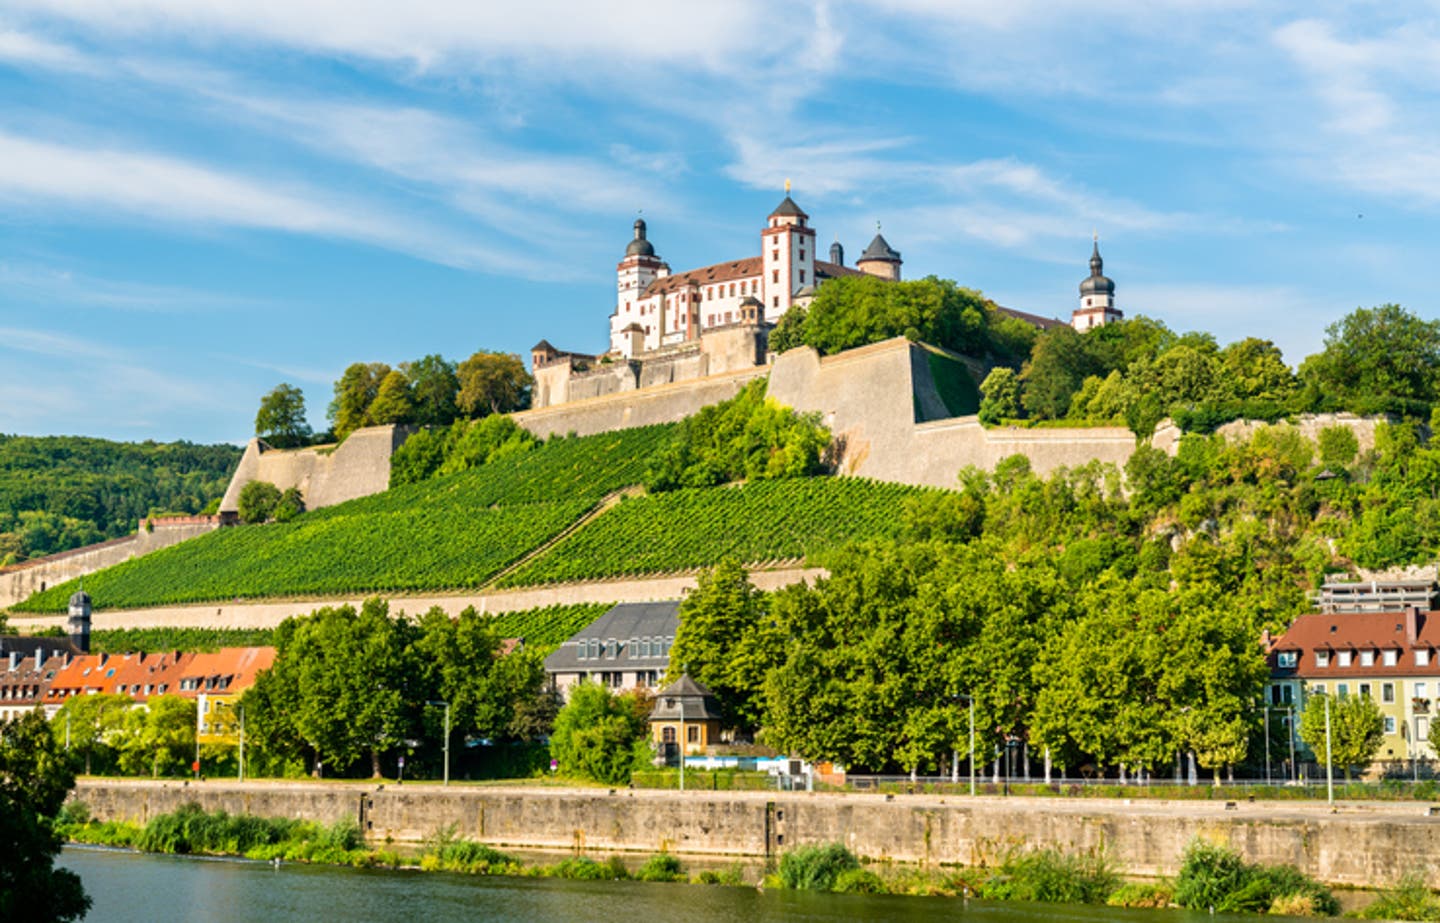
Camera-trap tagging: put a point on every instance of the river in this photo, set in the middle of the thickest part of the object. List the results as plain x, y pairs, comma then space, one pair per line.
137, 888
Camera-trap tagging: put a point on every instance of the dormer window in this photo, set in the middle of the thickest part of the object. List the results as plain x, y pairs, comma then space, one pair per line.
1367, 658
1286, 660
1322, 658
1422, 657
1390, 657
1345, 658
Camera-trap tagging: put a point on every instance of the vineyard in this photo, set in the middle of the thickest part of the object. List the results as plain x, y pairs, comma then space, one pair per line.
548, 626
753, 523
155, 640
453, 532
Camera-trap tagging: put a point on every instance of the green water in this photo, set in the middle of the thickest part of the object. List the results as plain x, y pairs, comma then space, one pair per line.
136, 888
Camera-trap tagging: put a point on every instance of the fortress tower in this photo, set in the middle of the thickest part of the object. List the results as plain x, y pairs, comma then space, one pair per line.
880, 259
1097, 297
787, 247
79, 621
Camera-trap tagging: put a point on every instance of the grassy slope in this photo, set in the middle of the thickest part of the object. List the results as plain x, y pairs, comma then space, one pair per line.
452, 532
955, 384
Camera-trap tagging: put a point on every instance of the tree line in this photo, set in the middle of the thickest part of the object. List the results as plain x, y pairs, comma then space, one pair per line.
430, 391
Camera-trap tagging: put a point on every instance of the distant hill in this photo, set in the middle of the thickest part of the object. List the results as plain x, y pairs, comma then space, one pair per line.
61, 492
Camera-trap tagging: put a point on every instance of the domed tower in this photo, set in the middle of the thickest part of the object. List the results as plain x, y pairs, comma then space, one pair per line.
787, 256
837, 254
880, 259
79, 622
1097, 297
634, 274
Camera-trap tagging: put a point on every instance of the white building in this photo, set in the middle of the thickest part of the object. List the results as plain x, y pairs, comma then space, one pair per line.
655, 307
1097, 297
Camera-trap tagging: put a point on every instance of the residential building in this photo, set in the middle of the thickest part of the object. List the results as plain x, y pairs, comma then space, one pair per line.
137, 676
216, 681
25, 678
685, 717
1388, 657
1375, 595
627, 647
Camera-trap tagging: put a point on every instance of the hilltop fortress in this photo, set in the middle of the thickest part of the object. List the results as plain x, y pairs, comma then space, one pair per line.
682, 341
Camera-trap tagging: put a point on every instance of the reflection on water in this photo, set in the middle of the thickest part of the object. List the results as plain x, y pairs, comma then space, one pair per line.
135, 888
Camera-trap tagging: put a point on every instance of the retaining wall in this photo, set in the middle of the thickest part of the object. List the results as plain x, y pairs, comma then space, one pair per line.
326, 475
1360, 845
27, 579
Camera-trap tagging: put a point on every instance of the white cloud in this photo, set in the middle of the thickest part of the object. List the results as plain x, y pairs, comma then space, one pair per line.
63, 286
27, 50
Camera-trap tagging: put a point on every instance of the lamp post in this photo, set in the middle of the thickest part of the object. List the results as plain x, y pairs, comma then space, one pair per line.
971, 700
1329, 758
681, 701
1290, 733
447, 738
242, 741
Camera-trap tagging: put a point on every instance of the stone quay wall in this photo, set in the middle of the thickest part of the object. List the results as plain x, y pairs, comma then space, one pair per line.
1361, 845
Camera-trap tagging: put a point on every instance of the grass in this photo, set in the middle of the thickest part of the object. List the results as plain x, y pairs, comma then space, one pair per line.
954, 383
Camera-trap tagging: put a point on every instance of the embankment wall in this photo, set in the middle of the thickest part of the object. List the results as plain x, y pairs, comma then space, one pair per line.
24, 580
1366, 845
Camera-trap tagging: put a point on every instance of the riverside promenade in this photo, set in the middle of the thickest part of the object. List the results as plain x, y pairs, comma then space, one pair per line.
1358, 844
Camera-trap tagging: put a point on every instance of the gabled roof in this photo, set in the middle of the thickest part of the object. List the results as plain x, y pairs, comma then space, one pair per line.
27, 645
620, 624
705, 275
1360, 631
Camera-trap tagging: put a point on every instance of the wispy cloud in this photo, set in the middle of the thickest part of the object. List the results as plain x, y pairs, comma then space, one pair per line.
54, 286
28, 50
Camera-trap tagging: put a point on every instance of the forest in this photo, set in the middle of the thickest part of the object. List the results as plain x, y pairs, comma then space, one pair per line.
61, 492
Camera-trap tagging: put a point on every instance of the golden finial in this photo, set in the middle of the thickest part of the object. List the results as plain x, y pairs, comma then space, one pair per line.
787, 185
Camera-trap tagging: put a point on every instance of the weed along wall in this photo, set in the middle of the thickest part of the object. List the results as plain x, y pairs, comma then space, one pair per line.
1372, 845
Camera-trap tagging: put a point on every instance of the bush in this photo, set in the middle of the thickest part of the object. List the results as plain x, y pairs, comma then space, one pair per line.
257, 501
816, 868
1143, 894
660, 867
1214, 877
579, 868
858, 881
1050, 876
732, 875
1410, 900
445, 852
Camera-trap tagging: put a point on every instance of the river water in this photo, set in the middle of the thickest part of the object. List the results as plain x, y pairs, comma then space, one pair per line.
137, 888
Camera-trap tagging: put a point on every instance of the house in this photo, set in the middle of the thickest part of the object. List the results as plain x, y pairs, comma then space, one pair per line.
25, 677
627, 647
216, 681
684, 711
1389, 657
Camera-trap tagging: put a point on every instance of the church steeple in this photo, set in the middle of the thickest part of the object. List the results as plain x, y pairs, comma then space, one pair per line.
1097, 296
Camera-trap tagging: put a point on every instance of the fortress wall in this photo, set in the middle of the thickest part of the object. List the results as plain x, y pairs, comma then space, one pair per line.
643, 407
26, 580
870, 398
1167, 435
325, 475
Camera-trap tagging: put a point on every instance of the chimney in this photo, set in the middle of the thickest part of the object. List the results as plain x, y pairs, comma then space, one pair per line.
14, 660
39, 657
1412, 625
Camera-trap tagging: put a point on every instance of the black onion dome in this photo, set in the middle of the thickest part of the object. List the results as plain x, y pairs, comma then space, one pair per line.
640, 246
1096, 283
79, 598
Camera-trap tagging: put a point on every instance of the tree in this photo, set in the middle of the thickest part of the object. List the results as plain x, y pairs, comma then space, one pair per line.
257, 501
281, 418
1000, 396
1375, 359
434, 386
725, 641
1357, 729
290, 504
158, 740
1060, 363
354, 393
393, 401
463, 657
1338, 447
599, 736
91, 726
35, 777
493, 383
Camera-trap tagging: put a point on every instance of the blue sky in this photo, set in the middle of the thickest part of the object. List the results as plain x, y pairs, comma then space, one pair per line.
200, 199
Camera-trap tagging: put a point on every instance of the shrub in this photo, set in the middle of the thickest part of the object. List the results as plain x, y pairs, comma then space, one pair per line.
858, 881
1409, 900
579, 868
816, 868
1216, 877
733, 875
1051, 876
257, 501
660, 867
1143, 894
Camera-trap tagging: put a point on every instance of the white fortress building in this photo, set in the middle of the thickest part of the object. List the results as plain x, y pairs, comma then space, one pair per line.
655, 307
669, 327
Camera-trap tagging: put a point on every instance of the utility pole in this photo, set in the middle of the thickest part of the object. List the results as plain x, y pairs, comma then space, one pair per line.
447, 739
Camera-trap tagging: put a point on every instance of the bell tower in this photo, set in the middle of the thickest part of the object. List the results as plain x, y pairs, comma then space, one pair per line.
1097, 296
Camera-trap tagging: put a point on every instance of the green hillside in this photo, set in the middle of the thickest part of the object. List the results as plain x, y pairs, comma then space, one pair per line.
452, 532
685, 529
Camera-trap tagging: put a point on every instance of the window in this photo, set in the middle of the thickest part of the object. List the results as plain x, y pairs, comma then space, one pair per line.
667, 735
1342, 690
732, 289
775, 276
1422, 657
1389, 724
802, 277
1390, 657
1365, 690
1322, 658
1345, 657
1387, 692
774, 254
692, 733
776, 302
802, 253
1286, 660
1367, 658
1418, 690
1287, 695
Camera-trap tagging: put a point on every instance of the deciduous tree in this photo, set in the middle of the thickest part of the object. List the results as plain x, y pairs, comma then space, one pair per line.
281, 418
493, 383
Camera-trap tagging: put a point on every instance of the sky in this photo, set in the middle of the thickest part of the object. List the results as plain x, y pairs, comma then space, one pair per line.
200, 199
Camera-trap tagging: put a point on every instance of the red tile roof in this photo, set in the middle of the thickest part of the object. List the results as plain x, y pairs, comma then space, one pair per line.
1357, 632
705, 275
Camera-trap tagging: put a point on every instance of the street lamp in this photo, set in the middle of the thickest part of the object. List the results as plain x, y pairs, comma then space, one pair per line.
971, 700
242, 741
447, 737
1329, 758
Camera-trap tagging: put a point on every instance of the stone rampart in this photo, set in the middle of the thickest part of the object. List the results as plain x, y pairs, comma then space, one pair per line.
24, 580
665, 403
325, 475
1358, 845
